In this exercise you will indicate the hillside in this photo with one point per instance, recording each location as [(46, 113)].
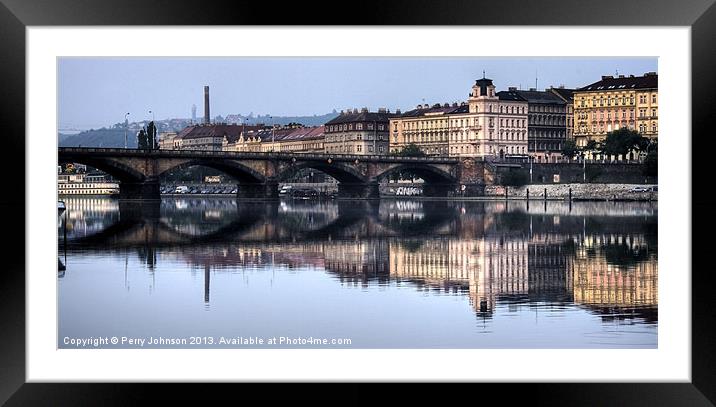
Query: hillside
[(98, 138), (114, 137)]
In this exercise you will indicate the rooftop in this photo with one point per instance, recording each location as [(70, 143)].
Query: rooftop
[(363, 115), (436, 110), (230, 131), (566, 94), (288, 134), (649, 80), (510, 95), (540, 97)]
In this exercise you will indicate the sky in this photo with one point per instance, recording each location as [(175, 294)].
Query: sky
[(97, 92)]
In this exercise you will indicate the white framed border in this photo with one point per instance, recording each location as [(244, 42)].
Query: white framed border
[(669, 362)]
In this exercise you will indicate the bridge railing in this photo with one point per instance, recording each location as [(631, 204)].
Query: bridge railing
[(252, 155)]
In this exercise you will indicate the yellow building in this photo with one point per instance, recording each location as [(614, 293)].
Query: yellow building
[(616, 102), (601, 284), (490, 124)]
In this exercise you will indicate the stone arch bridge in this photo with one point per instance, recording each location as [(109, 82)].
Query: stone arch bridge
[(258, 174)]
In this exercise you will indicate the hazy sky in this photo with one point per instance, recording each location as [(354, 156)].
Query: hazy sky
[(96, 92)]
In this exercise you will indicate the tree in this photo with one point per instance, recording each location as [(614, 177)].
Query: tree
[(623, 141), (152, 136), (651, 164), (411, 150), (592, 145), (569, 149), (142, 142)]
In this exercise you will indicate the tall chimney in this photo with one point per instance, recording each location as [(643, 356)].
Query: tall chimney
[(206, 105)]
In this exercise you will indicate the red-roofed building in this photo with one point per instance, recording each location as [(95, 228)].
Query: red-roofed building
[(205, 137), (294, 139)]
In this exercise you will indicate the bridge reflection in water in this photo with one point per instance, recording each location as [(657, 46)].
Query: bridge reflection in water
[(601, 257)]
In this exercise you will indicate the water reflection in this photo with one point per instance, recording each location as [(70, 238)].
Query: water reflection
[(506, 259)]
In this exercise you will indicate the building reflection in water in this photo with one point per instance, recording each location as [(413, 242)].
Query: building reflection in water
[(598, 256)]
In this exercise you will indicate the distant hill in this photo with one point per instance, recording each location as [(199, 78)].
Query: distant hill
[(304, 120), (98, 138), (114, 136)]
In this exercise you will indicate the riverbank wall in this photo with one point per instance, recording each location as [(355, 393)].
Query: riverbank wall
[(610, 192), (573, 173)]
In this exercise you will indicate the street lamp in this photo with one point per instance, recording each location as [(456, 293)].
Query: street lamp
[(126, 124), (584, 168)]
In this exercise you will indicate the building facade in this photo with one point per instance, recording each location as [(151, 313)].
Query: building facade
[(616, 102), (547, 123), (205, 137), (166, 140), (567, 95), (294, 139), (358, 132), (490, 124)]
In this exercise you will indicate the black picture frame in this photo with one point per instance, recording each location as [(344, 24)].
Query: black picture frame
[(16, 15)]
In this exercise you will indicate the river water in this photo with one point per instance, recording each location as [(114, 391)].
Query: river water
[(217, 272)]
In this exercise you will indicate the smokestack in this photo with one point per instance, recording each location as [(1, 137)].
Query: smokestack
[(206, 105)]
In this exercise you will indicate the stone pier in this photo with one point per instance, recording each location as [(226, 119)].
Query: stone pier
[(143, 190), (369, 190), (265, 190)]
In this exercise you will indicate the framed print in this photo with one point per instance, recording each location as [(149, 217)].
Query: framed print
[(464, 194)]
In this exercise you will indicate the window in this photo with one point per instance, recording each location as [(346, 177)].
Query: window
[(653, 98)]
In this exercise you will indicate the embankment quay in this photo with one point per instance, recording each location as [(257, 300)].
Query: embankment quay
[(359, 176)]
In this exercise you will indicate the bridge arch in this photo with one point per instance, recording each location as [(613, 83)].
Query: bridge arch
[(438, 182), (429, 173), (341, 172), (115, 168), (242, 173)]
